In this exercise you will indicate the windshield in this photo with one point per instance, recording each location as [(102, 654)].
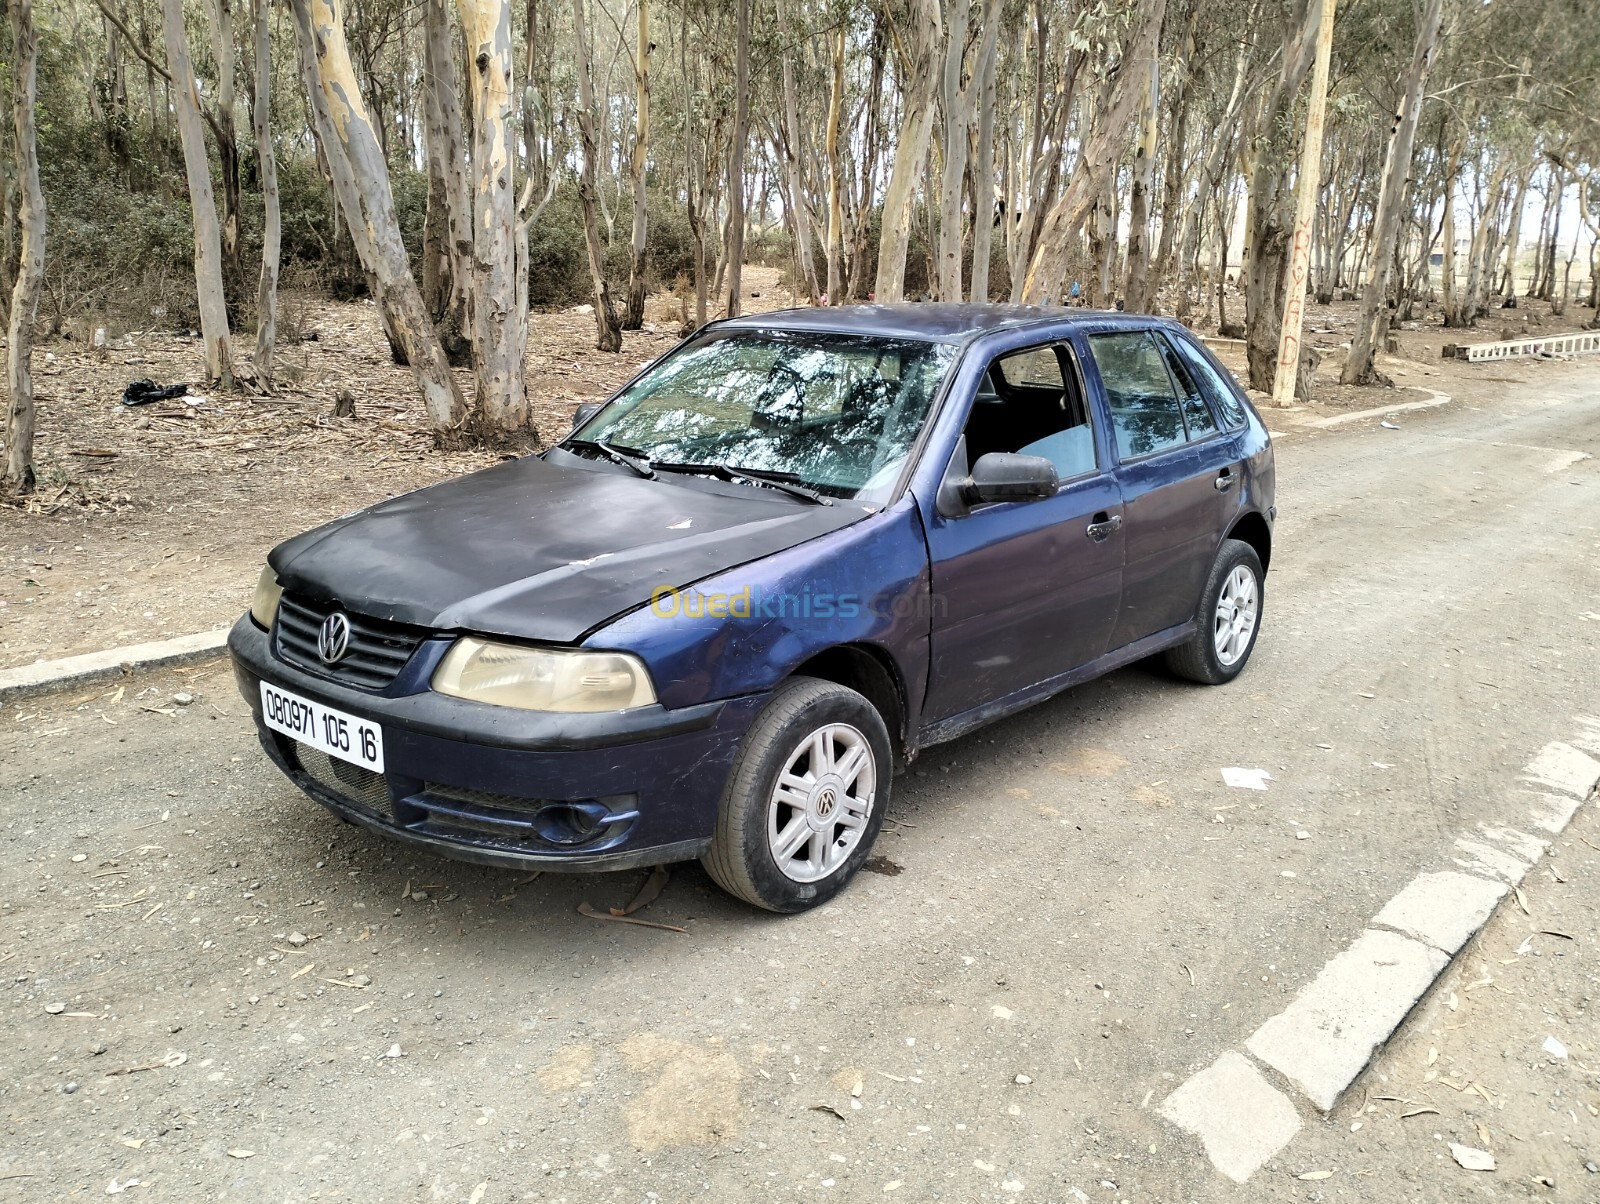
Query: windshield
[(837, 413)]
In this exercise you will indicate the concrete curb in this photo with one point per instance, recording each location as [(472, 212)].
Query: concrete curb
[(1438, 399), (1329, 1033), (43, 676)]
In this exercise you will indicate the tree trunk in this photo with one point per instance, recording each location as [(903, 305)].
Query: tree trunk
[(741, 135), (19, 475), (835, 182), (1449, 298), (502, 400), (1508, 276), (1096, 159), (983, 166), (919, 93), (867, 177), (641, 143), (1271, 213), (267, 169), (1210, 177), (793, 143), (609, 332), (1173, 185), (341, 178), (448, 267), (1144, 173), (225, 126), (958, 114), (322, 23), (207, 241)]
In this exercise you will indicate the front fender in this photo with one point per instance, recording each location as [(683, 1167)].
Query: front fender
[(744, 630)]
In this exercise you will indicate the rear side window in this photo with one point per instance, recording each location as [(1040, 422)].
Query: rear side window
[(1145, 411), (1209, 379), (1197, 415)]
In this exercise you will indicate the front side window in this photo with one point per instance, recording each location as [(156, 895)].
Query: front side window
[(1029, 401), (837, 413), (1145, 412)]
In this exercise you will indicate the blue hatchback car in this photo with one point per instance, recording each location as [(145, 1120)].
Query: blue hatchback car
[(716, 618)]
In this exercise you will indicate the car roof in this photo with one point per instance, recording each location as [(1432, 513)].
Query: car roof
[(932, 321)]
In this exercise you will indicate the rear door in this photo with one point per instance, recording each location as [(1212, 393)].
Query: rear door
[(1178, 473)]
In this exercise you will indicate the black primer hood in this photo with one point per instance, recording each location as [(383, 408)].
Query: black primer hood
[(540, 551)]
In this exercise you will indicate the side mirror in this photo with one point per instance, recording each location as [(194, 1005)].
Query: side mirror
[(585, 412), (1009, 477)]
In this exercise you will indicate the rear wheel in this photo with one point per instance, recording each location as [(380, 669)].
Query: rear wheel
[(805, 799), (1229, 618)]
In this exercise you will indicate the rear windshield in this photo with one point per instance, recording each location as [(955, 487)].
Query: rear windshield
[(838, 412)]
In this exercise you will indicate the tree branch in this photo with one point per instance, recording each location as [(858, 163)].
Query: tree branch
[(138, 49)]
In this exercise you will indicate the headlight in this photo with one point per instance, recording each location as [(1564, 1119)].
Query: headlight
[(264, 608), (543, 679)]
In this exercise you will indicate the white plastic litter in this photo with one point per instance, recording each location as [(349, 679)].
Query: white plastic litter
[(1246, 779)]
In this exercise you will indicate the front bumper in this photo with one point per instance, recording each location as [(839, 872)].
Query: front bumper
[(498, 786)]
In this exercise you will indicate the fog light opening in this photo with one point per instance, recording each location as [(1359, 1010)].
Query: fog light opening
[(571, 823)]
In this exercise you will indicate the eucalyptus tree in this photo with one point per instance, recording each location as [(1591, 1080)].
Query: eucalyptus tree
[(19, 425)]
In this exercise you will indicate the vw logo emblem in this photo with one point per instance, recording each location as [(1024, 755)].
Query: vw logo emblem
[(333, 641)]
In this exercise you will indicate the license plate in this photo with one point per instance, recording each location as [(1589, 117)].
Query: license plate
[(337, 733)]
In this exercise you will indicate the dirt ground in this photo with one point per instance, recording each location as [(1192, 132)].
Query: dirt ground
[(153, 521)]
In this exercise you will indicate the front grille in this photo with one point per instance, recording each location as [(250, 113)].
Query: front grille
[(359, 787), (377, 650), (482, 798)]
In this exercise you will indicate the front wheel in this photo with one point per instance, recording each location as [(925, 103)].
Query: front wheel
[(1229, 619), (805, 799)]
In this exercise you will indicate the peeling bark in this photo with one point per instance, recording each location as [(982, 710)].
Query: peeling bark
[(353, 130), (447, 269), (734, 256), (207, 239), (609, 331), (636, 171), (19, 476), (502, 399), (272, 227), (920, 92)]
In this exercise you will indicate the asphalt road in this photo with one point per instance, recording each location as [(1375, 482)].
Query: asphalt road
[(1080, 913)]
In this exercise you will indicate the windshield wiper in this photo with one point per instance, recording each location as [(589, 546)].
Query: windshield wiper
[(639, 464), (785, 482)]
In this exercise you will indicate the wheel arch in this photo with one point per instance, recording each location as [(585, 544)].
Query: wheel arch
[(870, 671), (1251, 528)]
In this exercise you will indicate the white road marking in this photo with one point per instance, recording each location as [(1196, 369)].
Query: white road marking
[(1552, 812), (1588, 737), (1442, 909), (1326, 1036), (1240, 1118), (1489, 861), (1561, 767)]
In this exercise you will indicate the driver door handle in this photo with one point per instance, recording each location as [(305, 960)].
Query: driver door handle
[(1103, 525), (1225, 480)]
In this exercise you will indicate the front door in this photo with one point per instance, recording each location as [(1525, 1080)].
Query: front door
[(1025, 591)]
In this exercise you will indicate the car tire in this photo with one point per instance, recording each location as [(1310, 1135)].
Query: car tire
[(1229, 619), (817, 756)]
